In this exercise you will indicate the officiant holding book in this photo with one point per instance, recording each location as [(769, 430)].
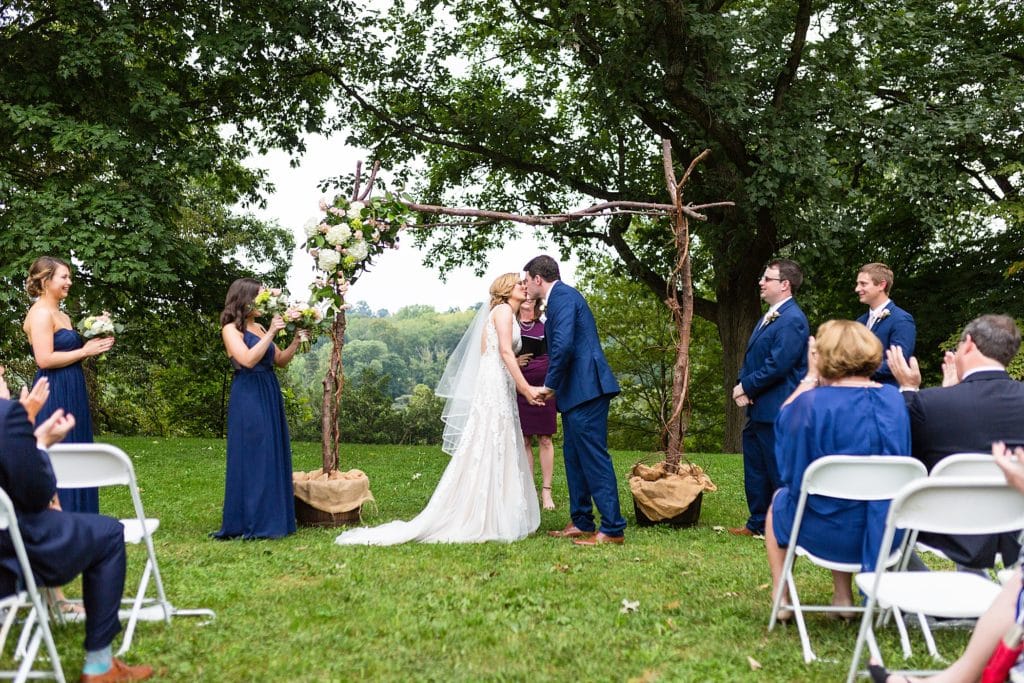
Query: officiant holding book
[(539, 421)]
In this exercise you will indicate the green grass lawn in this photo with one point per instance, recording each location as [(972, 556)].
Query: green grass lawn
[(303, 609)]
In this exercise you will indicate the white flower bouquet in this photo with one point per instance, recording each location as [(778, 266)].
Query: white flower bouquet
[(102, 325)]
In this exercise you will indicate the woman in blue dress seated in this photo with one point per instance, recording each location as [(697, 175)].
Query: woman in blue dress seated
[(835, 410)]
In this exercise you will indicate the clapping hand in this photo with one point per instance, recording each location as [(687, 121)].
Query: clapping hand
[(949, 374), (34, 400), (908, 374), (1012, 464), (54, 429), (5, 393)]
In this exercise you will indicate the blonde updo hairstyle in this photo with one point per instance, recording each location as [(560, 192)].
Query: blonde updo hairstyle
[(501, 288), (40, 272), (847, 349)]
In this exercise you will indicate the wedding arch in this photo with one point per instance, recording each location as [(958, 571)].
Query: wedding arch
[(358, 227)]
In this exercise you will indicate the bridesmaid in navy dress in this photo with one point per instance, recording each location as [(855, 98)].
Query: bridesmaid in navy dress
[(58, 351), (258, 497)]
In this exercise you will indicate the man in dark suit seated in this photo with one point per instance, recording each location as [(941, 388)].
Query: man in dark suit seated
[(977, 405), (61, 545)]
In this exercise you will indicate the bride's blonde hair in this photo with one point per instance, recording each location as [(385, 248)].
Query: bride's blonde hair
[(502, 288)]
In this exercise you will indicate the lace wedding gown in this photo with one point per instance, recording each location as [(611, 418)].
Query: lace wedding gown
[(486, 493)]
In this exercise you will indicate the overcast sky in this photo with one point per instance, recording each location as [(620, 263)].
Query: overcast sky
[(398, 277)]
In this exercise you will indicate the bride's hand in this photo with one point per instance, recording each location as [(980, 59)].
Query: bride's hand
[(534, 396)]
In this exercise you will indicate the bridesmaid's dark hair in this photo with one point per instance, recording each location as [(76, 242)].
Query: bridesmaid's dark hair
[(238, 303), (40, 272)]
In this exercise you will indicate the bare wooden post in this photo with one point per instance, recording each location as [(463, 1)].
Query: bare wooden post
[(679, 299), (334, 383)]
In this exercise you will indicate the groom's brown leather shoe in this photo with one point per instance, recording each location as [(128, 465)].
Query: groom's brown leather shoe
[(600, 538), (570, 531)]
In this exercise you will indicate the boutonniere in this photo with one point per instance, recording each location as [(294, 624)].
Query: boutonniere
[(884, 314), (771, 317)]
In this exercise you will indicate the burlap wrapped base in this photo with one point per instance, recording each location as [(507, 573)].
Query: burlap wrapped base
[(333, 499), (662, 498)]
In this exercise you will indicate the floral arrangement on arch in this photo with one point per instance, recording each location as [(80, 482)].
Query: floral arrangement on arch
[(344, 241)]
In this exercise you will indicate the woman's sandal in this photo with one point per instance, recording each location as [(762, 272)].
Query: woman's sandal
[(879, 674)]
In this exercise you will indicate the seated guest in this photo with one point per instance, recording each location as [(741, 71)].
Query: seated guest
[(996, 622), (61, 545), (835, 410), (978, 404)]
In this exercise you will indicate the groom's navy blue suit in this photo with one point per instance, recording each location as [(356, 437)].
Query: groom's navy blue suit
[(584, 386), (775, 361), (60, 545)]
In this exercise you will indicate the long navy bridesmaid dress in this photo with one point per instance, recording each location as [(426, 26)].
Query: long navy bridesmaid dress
[(67, 391), (258, 495)]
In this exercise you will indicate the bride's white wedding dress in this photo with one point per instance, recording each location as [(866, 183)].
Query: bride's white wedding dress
[(486, 493)]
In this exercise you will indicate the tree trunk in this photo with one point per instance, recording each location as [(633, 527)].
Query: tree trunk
[(334, 382), (739, 308)]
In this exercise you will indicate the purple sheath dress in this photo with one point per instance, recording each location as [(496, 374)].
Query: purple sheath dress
[(536, 420)]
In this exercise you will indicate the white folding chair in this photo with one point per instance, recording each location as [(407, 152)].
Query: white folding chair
[(36, 626), (851, 477), (88, 465), (941, 505), (967, 465), (961, 465)]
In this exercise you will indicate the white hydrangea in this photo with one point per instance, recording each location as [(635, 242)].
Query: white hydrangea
[(328, 260), (338, 234), (355, 209), (312, 227), (359, 250)]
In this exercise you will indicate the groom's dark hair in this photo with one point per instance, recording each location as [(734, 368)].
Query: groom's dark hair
[(543, 265)]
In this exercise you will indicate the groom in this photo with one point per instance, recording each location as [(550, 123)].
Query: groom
[(580, 377)]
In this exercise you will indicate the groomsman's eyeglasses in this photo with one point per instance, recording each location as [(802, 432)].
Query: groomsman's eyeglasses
[(765, 278)]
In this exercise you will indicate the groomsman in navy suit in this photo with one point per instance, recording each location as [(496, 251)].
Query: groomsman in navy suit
[(582, 384), (891, 324), (775, 361), (61, 545)]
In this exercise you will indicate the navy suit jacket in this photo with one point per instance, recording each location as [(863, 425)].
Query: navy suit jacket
[(897, 328), (55, 541), (577, 368), (775, 361), (967, 417)]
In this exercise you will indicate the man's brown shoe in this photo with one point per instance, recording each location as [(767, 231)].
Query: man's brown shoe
[(600, 538), (570, 531), (742, 531), (118, 673)]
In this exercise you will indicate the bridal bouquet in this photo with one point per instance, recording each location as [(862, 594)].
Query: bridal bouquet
[(102, 325)]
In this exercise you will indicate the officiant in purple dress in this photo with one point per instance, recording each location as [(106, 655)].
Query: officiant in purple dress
[(539, 421)]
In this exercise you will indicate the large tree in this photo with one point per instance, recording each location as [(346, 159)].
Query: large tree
[(838, 128), (123, 129)]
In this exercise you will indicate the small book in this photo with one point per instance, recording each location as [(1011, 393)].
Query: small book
[(534, 345)]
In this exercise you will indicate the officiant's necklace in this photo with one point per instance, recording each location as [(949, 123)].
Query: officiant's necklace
[(524, 328)]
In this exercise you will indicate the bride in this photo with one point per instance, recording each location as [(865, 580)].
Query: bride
[(487, 491)]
